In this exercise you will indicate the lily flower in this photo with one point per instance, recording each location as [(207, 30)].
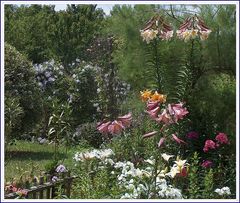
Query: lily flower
[(164, 117), (173, 172), (166, 157), (103, 127), (192, 28), (150, 134), (177, 111), (180, 163), (152, 105), (158, 97), (115, 127), (178, 140), (125, 120), (145, 95), (156, 27), (153, 113), (161, 141)]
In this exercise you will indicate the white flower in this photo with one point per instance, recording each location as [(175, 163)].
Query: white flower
[(223, 191), (109, 161), (226, 190), (173, 172), (98, 90), (204, 34), (166, 157), (180, 163), (149, 35), (149, 161), (146, 173)]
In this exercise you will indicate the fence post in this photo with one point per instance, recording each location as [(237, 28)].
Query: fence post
[(41, 180), (34, 195), (68, 185), (48, 190), (27, 186)]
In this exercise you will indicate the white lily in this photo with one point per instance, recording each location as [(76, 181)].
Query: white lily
[(166, 157)]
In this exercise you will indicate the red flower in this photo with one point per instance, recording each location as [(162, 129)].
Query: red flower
[(192, 135), (207, 164), (183, 172), (222, 138), (209, 144)]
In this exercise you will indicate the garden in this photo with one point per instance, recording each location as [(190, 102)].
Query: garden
[(139, 103)]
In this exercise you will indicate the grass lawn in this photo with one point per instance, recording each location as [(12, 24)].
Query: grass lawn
[(25, 158)]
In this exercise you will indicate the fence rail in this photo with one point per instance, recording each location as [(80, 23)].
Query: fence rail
[(45, 188)]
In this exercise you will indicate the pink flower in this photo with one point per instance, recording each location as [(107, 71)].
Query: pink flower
[(152, 105), (125, 120), (115, 127), (153, 113), (207, 164), (192, 135), (179, 141), (177, 111), (222, 138), (161, 141), (209, 144), (150, 134), (164, 117), (103, 127)]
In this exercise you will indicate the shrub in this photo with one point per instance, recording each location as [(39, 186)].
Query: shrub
[(89, 133), (20, 84), (13, 113)]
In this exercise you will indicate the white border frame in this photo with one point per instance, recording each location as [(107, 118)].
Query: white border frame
[(121, 2)]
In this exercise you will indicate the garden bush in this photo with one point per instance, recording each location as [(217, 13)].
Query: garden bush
[(21, 85)]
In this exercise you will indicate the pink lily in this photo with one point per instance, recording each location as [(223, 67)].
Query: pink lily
[(153, 113), (178, 140), (115, 127), (125, 120), (152, 105), (164, 117), (161, 141), (103, 127), (150, 134)]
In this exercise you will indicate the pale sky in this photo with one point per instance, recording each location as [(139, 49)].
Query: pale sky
[(106, 7)]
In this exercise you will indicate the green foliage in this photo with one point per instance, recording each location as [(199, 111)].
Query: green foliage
[(13, 113), (59, 125), (21, 86), (89, 133), (42, 33), (208, 185), (194, 183), (212, 110)]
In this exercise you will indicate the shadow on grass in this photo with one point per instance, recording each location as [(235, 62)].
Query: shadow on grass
[(26, 155)]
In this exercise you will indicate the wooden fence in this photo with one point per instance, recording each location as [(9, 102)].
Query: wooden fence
[(45, 188)]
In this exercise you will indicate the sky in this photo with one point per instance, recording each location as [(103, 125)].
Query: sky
[(106, 7)]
